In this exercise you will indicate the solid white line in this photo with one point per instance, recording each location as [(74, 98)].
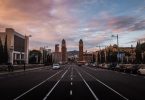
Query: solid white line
[(54, 86), (36, 86), (70, 92), (96, 98), (107, 86), (133, 74)]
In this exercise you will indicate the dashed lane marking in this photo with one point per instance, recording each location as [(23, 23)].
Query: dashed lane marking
[(55, 85), (70, 92)]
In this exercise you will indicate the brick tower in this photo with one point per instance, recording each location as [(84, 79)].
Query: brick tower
[(81, 50)]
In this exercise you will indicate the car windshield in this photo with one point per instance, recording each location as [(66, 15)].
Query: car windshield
[(55, 64)]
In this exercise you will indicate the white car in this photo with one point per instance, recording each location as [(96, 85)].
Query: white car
[(141, 70), (56, 66)]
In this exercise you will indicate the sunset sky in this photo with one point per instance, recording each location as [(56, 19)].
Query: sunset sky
[(94, 21)]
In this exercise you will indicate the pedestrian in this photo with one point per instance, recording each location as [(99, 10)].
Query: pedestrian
[(9, 69), (12, 67)]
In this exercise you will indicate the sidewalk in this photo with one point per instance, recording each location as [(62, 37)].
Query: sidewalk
[(17, 68)]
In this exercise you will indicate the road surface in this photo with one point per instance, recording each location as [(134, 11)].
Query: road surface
[(71, 82)]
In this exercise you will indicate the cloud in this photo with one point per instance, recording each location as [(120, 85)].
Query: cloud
[(140, 25), (49, 21)]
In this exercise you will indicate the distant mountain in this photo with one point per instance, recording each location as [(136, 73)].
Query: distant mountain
[(72, 53)]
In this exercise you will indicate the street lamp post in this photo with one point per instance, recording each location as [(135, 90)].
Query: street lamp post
[(117, 47)]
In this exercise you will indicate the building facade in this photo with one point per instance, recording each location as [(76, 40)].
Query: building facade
[(17, 45), (56, 56), (64, 51), (45, 53)]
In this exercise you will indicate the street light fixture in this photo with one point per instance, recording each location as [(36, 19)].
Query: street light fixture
[(117, 47)]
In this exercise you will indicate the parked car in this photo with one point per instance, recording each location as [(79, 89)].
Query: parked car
[(135, 68), (86, 64), (104, 66), (112, 66), (117, 67), (92, 64), (128, 67), (55, 66), (141, 70), (99, 65)]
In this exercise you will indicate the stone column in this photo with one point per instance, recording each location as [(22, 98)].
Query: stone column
[(26, 49)]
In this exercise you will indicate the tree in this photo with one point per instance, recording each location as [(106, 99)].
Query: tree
[(1, 51), (138, 53), (5, 56), (99, 60), (143, 50), (34, 56), (94, 58), (108, 56)]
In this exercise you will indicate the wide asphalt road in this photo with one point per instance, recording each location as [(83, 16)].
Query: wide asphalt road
[(71, 82)]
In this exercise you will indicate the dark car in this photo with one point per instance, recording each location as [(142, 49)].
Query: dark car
[(112, 66)]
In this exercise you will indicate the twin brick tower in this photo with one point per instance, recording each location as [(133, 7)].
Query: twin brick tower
[(64, 51)]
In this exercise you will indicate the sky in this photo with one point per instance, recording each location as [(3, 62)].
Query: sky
[(93, 21)]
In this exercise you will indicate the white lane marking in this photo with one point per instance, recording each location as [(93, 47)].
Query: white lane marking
[(71, 78), (55, 85), (71, 83), (70, 92), (36, 86), (106, 86), (96, 98), (123, 73), (133, 74)]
